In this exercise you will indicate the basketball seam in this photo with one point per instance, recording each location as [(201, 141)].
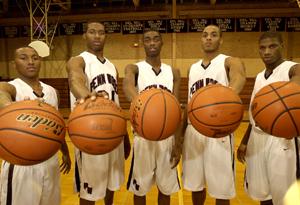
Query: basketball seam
[(32, 134), (85, 136), (272, 90), (287, 110), (58, 116), (85, 115), (165, 116), (217, 103), (261, 109), (224, 125), (205, 88), (142, 120), (33, 160)]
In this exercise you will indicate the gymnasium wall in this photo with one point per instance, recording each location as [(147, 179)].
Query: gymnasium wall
[(121, 51)]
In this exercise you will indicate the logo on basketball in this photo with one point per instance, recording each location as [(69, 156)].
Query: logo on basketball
[(36, 121)]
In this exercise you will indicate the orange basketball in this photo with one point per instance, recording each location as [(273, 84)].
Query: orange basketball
[(30, 132), (155, 114), (97, 127), (276, 109), (215, 111)]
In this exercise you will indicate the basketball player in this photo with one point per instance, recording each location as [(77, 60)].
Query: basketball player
[(96, 176), (271, 161), (37, 184), (153, 161), (209, 162)]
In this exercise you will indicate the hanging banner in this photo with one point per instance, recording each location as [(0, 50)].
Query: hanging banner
[(273, 24), (132, 27), (157, 25), (225, 24), (293, 24), (177, 26), (198, 24), (247, 24)]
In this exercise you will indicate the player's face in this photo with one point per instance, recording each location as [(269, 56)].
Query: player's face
[(95, 36), (270, 50), (27, 62), (152, 43), (211, 39)]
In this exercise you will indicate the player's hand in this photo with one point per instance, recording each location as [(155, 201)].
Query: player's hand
[(241, 153), (93, 95), (127, 146), (175, 155), (66, 164)]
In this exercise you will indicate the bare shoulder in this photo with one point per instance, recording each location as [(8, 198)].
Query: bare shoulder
[(233, 60), (75, 62), (294, 70), (131, 68), (8, 88), (176, 72)]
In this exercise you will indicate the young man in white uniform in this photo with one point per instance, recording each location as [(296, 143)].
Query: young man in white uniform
[(37, 184), (96, 176), (271, 161), (153, 161), (209, 162)]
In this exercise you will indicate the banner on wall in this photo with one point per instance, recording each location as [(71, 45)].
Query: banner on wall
[(243, 24), (225, 24), (273, 24), (158, 25), (198, 24), (293, 24), (247, 25), (70, 29), (177, 26), (132, 27)]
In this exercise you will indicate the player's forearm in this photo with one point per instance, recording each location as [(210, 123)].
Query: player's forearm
[(78, 89), (246, 135), (64, 148), (237, 84), (129, 90)]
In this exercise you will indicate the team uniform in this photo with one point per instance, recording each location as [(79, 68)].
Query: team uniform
[(37, 184), (208, 161), (271, 161), (96, 173), (151, 159)]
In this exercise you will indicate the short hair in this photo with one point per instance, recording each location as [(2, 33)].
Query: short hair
[(271, 34), (94, 21), (152, 30), (215, 25)]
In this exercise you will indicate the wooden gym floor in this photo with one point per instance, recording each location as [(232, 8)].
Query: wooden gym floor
[(123, 197)]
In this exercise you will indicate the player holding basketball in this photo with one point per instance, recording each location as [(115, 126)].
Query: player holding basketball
[(97, 176), (153, 161), (37, 184), (209, 162), (271, 161)]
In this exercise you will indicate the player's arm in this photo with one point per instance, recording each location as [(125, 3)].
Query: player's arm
[(294, 73), (66, 160), (241, 152), (176, 83), (129, 88), (179, 134), (7, 93), (77, 78), (236, 73)]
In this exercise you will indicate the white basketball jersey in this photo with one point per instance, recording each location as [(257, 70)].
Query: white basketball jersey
[(148, 78), (200, 76), (280, 73), (24, 90), (101, 76)]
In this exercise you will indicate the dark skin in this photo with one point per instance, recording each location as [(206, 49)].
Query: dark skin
[(270, 50), (152, 44), (211, 41), (27, 63), (95, 40)]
